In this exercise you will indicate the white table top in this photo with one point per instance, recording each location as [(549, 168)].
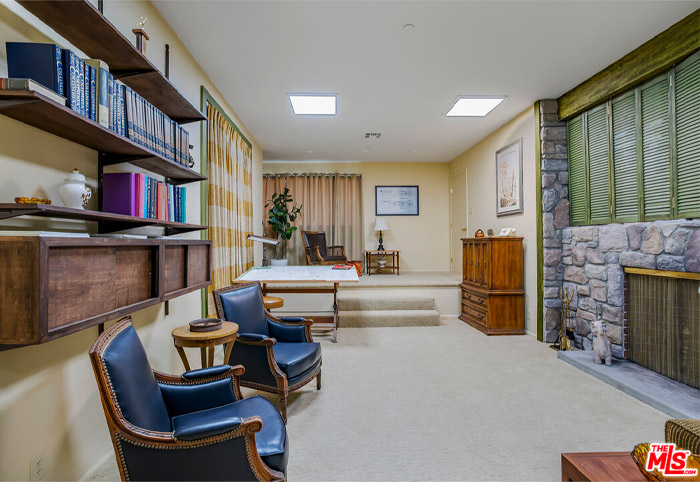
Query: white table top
[(299, 274)]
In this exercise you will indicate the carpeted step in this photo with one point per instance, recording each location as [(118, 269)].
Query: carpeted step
[(377, 303), (377, 318)]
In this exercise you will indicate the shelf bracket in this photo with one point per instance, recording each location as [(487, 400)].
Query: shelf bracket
[(6, 104), (106, 227), (111, 159), (18, 212)]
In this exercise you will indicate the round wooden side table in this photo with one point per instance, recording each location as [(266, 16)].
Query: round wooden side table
[(184, 338), (272, 302)]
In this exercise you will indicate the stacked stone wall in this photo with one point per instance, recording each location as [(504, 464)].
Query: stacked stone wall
[(594, 258), (555, 211)]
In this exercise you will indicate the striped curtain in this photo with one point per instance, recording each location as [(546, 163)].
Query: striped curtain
[(230, 201)]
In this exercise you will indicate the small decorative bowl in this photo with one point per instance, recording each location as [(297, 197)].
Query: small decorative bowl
[(640, 455), (205, 324), (32, 200)]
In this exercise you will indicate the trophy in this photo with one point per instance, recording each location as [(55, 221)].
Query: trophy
[(141, 35)]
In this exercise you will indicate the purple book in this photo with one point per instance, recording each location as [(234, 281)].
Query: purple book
[(119, 193)]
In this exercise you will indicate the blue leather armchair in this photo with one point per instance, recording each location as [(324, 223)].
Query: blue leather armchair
[(196, 426), (279, 354)]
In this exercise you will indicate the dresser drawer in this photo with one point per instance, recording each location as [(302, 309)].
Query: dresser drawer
[(475, 313), (479, 299)]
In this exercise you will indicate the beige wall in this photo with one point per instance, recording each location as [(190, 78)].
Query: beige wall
[(48, 396), (423, 239), (479, 161)]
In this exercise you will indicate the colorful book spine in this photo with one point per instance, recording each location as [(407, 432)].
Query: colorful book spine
[(93, 93), (81, 85), (119, 193)]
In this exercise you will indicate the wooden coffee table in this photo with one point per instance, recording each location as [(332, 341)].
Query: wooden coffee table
[(600, 466)]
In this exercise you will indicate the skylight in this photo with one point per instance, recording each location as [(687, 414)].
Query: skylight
[(474, 106), (313, 104)]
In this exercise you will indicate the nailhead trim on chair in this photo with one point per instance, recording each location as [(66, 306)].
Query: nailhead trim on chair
[(205, 442), (202, 443)]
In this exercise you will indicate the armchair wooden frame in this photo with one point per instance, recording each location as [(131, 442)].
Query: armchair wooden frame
[(313, 253), (282, 388), (122, 431)]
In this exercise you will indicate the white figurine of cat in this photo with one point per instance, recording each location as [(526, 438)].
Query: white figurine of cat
[(601, 344)]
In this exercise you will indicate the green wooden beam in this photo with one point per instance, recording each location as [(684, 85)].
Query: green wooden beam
[(644, 62), (540, 242)]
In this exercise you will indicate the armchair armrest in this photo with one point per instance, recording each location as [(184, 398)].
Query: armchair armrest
[(313, 255), (336, 251), (203, 373), (252, 337), (203, 424)]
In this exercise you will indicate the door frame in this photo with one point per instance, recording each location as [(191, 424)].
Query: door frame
[(466, 210)]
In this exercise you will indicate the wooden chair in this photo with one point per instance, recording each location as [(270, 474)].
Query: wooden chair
[(196, 426), (279, 354), (318, 253)]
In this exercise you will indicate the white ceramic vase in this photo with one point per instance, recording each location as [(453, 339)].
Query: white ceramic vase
[(74, 193)]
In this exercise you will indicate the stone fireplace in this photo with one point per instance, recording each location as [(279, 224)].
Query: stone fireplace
[(662, 324), (593, 262)]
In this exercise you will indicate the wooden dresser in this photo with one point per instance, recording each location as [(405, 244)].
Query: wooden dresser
[(492, 286)]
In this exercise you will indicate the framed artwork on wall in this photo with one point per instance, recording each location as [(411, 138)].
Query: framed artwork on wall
[(509, 179), (396, 200)]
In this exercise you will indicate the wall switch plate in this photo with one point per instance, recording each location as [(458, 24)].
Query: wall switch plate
[(37, 466)]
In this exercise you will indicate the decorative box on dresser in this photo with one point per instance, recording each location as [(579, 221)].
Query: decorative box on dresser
[(492, 284)]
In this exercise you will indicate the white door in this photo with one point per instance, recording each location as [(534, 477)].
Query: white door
[(458, 221)]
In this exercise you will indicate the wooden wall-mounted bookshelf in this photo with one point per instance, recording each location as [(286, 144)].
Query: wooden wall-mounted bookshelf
[(107, 222), (45, 114), (79, 22), (53, 287)]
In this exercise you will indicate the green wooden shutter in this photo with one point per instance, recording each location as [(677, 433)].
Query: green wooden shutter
[(687, 99), (577, 171), (656, 149), (624, 121), (598, 165)]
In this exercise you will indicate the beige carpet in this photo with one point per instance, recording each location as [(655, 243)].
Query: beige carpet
[(448, 403)]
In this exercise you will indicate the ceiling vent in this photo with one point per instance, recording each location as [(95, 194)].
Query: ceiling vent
[(373, 135)]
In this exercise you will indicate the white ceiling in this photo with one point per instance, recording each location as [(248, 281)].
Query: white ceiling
[(397, 82)]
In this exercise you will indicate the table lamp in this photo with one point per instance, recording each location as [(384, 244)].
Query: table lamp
[(380, 225)]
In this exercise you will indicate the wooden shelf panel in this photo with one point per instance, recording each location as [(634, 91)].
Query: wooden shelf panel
[(79, 22), (45, 114), (109, 222)]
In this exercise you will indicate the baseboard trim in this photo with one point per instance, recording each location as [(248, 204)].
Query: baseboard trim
[(99, 466)]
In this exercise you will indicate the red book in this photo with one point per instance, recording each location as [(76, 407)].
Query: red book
[(342, 266)]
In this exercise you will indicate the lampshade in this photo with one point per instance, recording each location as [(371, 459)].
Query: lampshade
[(380, 225)]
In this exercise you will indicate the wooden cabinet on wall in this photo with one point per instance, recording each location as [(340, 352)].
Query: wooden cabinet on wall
[(492, 285), (52, 287)]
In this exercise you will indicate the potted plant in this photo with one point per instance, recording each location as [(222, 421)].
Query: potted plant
[(281, 217)]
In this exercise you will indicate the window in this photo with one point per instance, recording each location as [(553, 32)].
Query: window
[(637, 157)]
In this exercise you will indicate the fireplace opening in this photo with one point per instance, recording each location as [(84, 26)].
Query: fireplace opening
[(663, 323)]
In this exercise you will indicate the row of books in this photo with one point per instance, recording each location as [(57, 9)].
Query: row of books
[(148, 126), (143, 196), (92, 91)]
